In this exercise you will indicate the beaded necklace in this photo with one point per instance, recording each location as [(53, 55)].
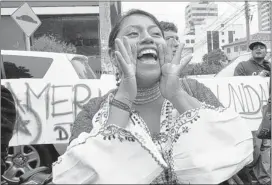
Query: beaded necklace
[(147, 95)]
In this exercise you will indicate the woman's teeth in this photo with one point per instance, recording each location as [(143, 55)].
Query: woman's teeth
[(149, 61), (148, 51)]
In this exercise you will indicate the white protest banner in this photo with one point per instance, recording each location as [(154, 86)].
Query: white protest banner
[(47, 109), (245, 94)]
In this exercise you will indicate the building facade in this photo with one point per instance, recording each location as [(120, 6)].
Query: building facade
[(211, 37), (197, 12), (225, 35), (264, 15), (204, 32), (239, 47)]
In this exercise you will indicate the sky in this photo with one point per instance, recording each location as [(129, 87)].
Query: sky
[(174, 12)]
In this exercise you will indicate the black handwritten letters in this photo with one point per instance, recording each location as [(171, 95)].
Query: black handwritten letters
[(59, 102), (245, 99), (80, 101), (47, 110), (45, 90)]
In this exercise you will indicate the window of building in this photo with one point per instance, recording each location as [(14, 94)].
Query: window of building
[(228, 50), (222, 33), (236, 48), (264, 14), (212, 14), (199, 8), (243, 48), (215, 39), (209, 41), (205, 14), (223, 41), (264, 10), (236, 39), (82, 31), (204, 8), (264, 4), (187, 41), (230, 36), (267, 19), (222, 25), (192, 41), (204, 2), (199, 19), (213, 9)]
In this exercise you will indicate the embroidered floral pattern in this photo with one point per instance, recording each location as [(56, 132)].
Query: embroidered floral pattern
[(168, 176), (171, 127), (113, 132), (160, 147), (207, 106), (185, 129), (136, 119), (167, 123)]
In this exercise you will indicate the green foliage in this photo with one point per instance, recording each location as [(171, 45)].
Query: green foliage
[(49, 43), (211, 64), (215, 56)]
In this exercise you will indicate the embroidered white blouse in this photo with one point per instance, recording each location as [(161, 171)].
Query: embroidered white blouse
[(204, 145)]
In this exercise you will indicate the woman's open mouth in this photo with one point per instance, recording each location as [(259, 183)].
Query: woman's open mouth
[(148, 56)]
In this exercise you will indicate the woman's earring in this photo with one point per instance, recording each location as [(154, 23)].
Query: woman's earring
[(118, 79)]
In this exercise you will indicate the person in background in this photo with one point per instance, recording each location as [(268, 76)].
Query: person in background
[(8, 119), (191, 86), (257, 65), (259, 169), (170, 31), (262, 169)]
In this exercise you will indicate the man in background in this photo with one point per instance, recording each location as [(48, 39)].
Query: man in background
[(170, 35), (257, 65), (191, 86), (260, 168)]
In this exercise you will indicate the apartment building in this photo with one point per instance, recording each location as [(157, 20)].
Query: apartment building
[(264, 15), (197, 12)]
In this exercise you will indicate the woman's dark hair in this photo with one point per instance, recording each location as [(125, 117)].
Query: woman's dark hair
[(115, 30), (168, 26)]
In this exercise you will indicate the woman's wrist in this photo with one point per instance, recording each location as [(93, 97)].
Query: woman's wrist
[(120, 110), (122, 98)]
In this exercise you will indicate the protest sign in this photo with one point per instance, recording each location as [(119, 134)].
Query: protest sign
[(46, 110), (244, 94)]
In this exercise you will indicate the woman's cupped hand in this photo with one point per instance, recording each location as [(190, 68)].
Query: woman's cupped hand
[(126, 56), (171, 68)]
